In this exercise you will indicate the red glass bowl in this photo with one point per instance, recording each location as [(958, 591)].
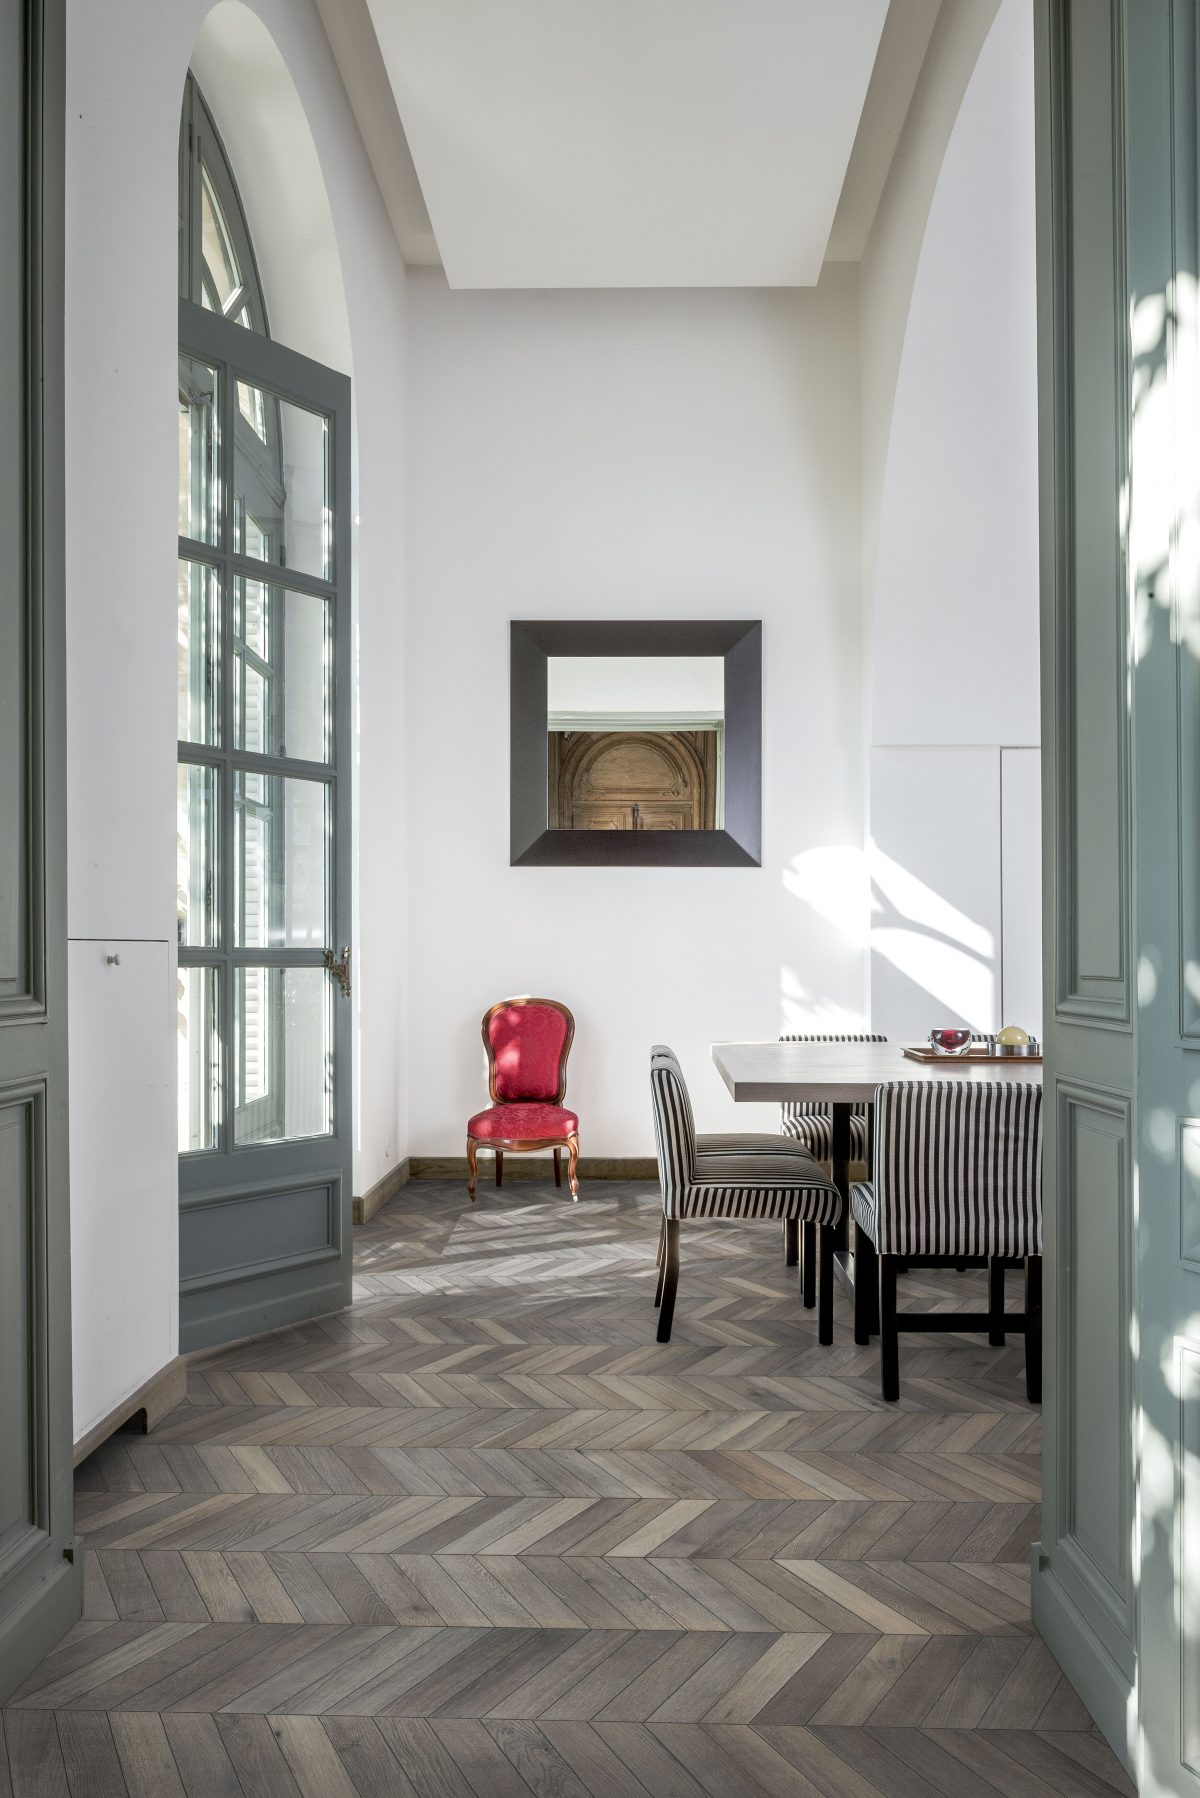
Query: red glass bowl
[(950, 1042)]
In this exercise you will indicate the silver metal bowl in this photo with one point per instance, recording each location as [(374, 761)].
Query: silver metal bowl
[(1017, 1051)]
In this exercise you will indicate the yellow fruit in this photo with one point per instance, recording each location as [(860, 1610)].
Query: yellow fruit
[(1012, 1036)]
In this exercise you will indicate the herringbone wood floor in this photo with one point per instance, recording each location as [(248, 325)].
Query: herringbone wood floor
[(482, 1536)]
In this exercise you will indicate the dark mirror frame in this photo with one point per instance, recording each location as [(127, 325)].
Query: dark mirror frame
[(534, 845)]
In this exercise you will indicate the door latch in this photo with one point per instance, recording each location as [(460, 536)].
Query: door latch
[(339, 969)]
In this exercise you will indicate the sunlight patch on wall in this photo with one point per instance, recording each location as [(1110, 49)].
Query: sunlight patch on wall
[(964, 986), (801, 1012), (922, 907), (833, 882), (939, 950)]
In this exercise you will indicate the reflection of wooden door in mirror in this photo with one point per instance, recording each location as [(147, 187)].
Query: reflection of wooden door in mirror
[(633, 780)]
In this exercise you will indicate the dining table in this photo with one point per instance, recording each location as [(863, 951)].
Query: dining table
[(843, 1075)]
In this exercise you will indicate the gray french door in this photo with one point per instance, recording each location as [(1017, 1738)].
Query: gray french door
[(40, 1570), (263, 833)]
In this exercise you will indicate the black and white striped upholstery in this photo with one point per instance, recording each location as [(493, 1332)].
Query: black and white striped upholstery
[(729, 1176), (957, 1170), (810, 1122)]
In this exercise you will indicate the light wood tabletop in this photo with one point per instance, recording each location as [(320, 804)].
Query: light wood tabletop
[(844, 1073)]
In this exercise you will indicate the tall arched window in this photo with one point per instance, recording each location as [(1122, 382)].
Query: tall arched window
[(217, 268), (263, 813)]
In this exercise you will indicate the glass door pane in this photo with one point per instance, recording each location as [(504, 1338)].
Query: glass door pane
[(196, 828), (199, 436), (282, 862), (281, 483), (199, 1061), (282, 672), (284, 1054), (199, 653)]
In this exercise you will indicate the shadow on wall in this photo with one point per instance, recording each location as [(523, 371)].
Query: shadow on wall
[(929, 961), (923, 947)]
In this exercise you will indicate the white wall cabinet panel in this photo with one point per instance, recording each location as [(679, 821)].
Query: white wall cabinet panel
[(934, 860), (124, 1172), (1021, 891)]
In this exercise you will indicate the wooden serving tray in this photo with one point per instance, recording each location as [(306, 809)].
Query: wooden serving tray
[(915, 1053)]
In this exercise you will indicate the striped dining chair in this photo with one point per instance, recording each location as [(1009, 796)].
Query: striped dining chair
[(732, 1177), (957, 1173), (810, 1122)]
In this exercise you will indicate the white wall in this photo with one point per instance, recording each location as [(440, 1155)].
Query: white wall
[(126, 65), (952, 598), (625, 455)]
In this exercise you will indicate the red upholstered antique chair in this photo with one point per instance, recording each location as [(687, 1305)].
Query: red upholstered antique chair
[(527, 1043)]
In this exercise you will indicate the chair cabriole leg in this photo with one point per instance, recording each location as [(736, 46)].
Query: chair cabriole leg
[(558, 1167), (825, 1279), (1033, 1329), (996, 1302), (791, 1241), (670, 1279), (472, 1169), (808, 1269), (889, 1335), (499, 1166), (573, 1165)]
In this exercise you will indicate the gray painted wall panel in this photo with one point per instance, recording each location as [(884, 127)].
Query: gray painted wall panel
[(40, 1575), (1189, 1553), (1119, 1565), (12, 358), (1094, 757), (246, 1233), (1082, 1589), (16, 1462), (1098, 1495)]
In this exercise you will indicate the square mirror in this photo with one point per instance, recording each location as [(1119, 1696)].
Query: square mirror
[(636, 743)]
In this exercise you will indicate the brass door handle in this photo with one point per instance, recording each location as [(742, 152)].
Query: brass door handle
[(340, 970)]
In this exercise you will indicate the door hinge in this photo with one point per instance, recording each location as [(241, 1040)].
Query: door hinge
[(340, 970)]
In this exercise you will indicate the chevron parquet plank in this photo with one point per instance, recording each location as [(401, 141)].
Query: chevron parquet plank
[(482, 1536), (145, 1754), (33, 1764), (201, 1756), (90, 1759)]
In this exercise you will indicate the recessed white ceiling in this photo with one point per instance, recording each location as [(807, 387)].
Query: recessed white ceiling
[(630, 143)]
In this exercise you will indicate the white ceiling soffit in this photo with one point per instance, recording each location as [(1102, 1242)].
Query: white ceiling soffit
[(902, 51), (630, 143), (356, 51)]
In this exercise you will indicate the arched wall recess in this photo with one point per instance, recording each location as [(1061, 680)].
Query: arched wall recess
[(266, 1044), (270, 144), (336, 282), (893, 252), (126, 69), (952, 597)]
